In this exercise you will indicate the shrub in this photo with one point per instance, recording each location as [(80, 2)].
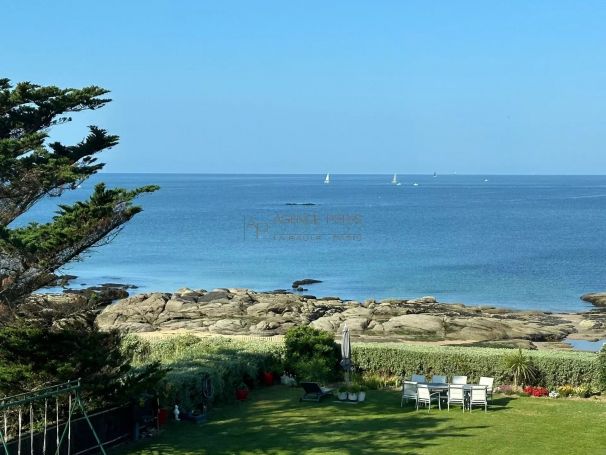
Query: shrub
[(32, 357), (192, 360), (311, 354), (536, 391), (566, 390), (372, 381), (505, 389), (552, 368), (602, 360), (520, 366), (583, 391), (315, 369)]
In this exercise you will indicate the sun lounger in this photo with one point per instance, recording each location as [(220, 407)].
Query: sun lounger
[(313, 391)]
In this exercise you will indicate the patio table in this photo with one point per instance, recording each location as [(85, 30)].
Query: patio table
[(441, 388)]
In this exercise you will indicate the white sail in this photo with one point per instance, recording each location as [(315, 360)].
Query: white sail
[(394, 180), (327, 179)]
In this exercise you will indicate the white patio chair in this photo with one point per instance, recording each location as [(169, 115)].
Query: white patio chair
[(489, 383), (456, 395), (409, 392), (459, 380), (478, 397), (418, 378), (438, 379), (425, 397)]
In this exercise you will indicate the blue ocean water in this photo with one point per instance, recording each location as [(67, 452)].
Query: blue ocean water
[(533, 242)]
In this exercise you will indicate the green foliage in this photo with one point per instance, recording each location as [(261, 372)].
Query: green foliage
[(315, 369), (565, 390), (191, 359), (311, 354), (552, 368), (32, 167), (583, 391), (520, 366), (32, 357), (372, 381), (602, 361)]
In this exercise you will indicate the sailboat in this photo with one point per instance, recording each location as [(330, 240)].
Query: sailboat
[(327, 179), (394, 180), (435, 175)]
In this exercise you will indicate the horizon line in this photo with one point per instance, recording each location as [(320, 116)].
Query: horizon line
[(450, 174)]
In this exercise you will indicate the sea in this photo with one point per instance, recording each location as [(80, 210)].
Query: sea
[(521, 242)]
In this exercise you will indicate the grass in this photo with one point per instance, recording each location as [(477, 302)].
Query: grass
[(274, 422)]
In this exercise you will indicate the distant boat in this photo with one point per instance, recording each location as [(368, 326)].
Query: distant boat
[(415, 184), (394, 180), (485, 180), (327, 179), (435, 175)]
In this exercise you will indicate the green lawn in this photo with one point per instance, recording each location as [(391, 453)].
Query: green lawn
[(274, 422)]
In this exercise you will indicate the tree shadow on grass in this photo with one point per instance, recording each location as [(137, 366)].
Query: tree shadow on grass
[(276, 423)]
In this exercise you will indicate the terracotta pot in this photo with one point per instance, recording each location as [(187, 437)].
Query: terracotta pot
[(162, 416), (267, 378), (241, 394)]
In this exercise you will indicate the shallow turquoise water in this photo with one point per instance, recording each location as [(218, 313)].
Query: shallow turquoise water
[(515, 241)]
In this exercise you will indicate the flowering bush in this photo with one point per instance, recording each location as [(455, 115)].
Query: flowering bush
[(582, 391), (553, 394), (566, 390), (506, 389), (536, 391)]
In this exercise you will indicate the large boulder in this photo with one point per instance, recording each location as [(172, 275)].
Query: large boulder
[(229, 326), (595, 298), (415, 324)]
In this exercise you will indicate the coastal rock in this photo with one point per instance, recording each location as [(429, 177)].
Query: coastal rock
[(589, 324), (303, 282), (229, 326), (246, 312), (416, 324), (215, 295), (595, 298)]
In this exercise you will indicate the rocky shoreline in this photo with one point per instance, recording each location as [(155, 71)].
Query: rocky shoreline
[(246, 312)]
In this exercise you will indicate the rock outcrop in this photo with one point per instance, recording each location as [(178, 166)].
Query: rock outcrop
[(246, 312), (595, 298)]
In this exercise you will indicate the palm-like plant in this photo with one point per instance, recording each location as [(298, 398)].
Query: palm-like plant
[(520, 366)]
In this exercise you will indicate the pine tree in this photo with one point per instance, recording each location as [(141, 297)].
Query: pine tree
[(32, 168)]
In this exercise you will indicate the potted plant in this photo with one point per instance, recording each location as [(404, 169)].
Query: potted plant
[(269, 373), (352, 394), (267, 377), (242, 392), (362, 394), (343, 393)]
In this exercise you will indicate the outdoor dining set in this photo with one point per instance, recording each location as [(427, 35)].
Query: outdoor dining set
[(457, 392)]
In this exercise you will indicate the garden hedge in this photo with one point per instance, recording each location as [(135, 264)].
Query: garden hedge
[(190, 359), (603, 367), (228, 362), (554, 368)]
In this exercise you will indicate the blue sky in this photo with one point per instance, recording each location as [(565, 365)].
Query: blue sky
[(315, 86)]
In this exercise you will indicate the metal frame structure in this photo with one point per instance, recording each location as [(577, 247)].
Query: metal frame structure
[(69, 388)]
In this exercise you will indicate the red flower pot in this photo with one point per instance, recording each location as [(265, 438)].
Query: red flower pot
[(162, 416), (267, 378), (241, 394)]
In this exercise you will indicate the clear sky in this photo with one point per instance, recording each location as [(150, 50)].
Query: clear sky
[(327, 86)]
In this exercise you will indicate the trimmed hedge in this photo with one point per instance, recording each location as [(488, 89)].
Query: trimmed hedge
[(603, 367), (554, 368), (191, 359)]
